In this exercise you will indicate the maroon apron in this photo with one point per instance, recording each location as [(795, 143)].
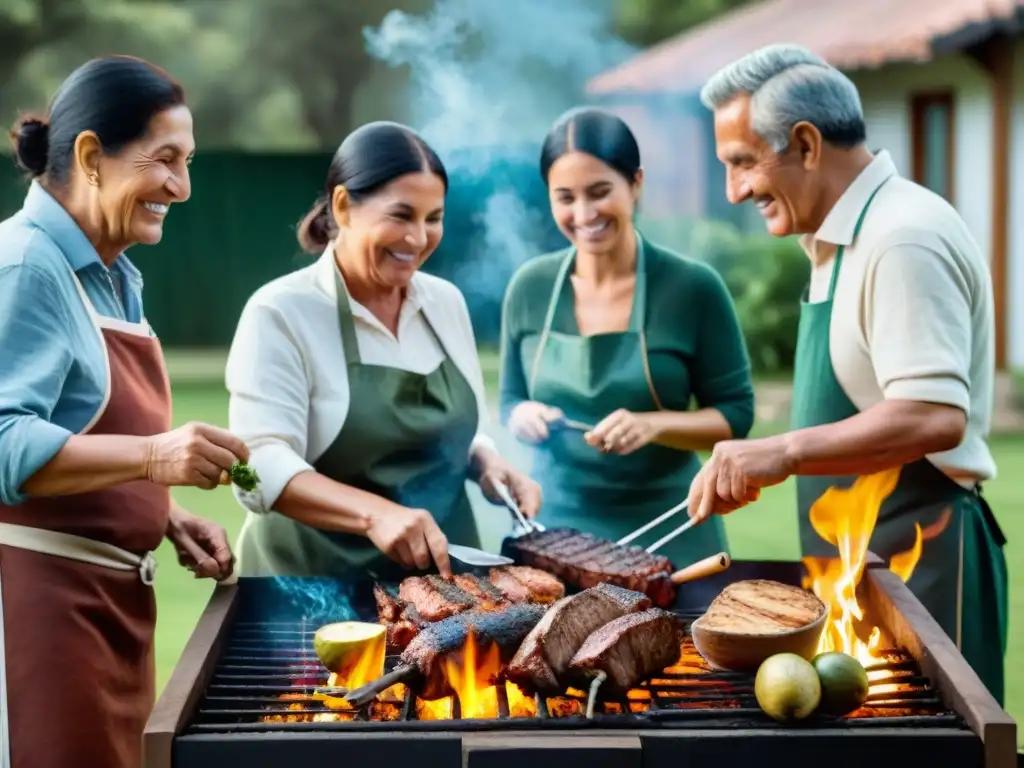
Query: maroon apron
[(77, 642)]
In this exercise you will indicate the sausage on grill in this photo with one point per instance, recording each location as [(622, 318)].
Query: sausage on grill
[(540, 664), (505, 628)]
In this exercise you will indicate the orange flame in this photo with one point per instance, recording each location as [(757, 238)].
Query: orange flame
[(846, 518)]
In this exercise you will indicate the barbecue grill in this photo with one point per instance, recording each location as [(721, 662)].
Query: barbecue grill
[(244, 692)]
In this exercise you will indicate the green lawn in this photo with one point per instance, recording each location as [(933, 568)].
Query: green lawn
[(765, 530)]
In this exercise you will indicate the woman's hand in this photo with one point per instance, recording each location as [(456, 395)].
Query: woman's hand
[(194, 454), (495, 471), (410, 537), (202, 545), (735, 474), (529, 421), (622, 432)]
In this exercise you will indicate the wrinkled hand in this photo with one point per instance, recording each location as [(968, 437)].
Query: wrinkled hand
[(621, 432), (194, 454), (202, 545), (410, 537), (524, 489), (735, 474), (529, 421)]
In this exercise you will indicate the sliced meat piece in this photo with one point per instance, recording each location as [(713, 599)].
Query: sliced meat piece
[(434, 598), (541, 585), (541, 660), (631, 648), (486, 594), (509, 585)]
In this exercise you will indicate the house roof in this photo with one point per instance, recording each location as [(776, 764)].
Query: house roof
[(849, 34)]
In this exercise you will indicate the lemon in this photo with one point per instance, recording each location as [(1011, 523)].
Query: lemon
[(787, 687), (844, 682), (346, 645)]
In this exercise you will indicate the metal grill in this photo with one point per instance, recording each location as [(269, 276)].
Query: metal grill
[(267, 677)]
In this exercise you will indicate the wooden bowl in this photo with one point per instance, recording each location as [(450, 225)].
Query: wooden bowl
[(745, 651)]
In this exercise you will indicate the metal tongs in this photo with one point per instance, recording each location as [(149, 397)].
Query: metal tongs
[(528, 525), (658, 521)]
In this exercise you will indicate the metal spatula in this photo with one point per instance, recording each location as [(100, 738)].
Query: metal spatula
[(476, 557)]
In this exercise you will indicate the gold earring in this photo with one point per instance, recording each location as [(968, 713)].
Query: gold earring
[(94, 179)]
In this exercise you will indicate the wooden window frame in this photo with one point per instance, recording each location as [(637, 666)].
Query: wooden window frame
[(919, 103)]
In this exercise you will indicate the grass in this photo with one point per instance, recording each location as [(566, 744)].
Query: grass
[(767, 530)]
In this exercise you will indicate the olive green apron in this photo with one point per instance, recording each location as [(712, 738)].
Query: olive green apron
[(963, 565), (589, 377), (407, 438)]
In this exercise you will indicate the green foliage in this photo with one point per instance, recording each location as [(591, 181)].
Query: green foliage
[(766, 276)]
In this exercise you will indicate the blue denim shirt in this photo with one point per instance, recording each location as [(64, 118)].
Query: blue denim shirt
[(53, 376)]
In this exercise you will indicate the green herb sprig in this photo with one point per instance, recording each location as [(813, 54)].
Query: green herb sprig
[(244, 476)]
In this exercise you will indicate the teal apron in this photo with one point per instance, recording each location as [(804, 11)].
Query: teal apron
[(961, 566), (589, 377), (407, 438)]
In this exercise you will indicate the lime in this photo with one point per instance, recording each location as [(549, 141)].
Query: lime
[(787, 687), (844, 683)]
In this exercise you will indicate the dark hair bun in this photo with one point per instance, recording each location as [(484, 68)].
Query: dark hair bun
[(31, 144), (315, 228)]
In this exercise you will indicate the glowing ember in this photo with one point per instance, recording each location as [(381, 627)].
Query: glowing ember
[(846, 519)]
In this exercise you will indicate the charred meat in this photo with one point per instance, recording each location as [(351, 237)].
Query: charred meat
[(422, 599), (505, 628), (631, 648), (540, 664), (585, 561)]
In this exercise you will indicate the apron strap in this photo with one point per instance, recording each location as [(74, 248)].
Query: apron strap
[(78, 548), (346, 321), (842, 248)]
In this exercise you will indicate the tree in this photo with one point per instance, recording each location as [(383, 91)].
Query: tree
[(646, 22)]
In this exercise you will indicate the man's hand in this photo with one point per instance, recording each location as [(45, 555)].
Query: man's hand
[(202, 545), (735, 474)]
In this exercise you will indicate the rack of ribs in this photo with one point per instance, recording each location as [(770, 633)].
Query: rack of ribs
[(424, 599), (584, 561), (421, 661)]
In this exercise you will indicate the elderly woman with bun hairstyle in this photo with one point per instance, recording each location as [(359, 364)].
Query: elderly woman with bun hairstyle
[(607, 344), (88, 453), (356, 384)]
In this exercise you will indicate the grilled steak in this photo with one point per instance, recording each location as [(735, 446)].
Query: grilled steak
[(631, 648), (506, 628), (585, 561), (541, 661)]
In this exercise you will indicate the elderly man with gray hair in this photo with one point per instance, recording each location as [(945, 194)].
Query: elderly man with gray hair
[(894, 370)]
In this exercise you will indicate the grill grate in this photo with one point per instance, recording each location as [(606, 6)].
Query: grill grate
[(267, 675)]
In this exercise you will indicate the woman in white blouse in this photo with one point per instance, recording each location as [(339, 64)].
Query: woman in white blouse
[(356, 385)]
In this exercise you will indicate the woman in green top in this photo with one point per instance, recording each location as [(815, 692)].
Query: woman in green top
[(619, 334)]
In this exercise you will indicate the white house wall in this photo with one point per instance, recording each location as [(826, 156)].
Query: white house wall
[(886, 95), (1015, 266)]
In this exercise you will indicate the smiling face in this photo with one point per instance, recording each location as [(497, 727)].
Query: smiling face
[(394, 231), (785, 187), (135, 187), (592, 203)]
